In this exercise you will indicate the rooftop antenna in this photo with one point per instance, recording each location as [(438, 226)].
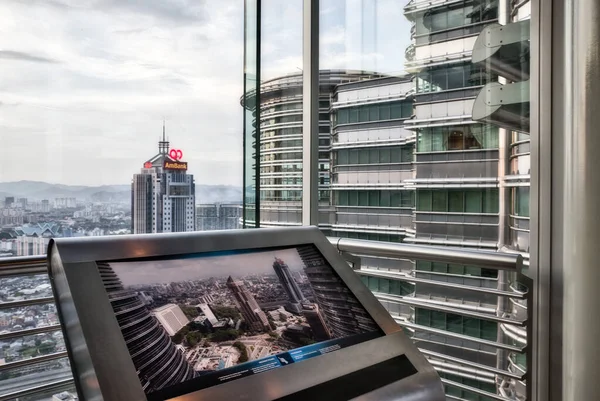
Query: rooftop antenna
[(163, 146)]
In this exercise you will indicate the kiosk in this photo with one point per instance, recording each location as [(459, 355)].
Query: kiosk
[(270, 314)]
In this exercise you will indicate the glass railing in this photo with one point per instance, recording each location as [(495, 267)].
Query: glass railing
[(33, 356), (461, 339)]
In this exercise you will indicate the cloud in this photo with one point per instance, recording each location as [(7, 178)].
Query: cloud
[(175, 10), (123, 68), (15, 55)]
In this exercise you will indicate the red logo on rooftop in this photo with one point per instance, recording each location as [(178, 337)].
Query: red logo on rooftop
[(175, 154), (147, 165)]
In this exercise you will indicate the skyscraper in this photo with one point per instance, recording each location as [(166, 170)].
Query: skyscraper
[(317, 323), (341, 310), (163, 194), (253, 315), (158, 362), (290, 286)]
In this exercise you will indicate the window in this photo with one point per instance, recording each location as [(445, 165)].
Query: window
[(369, 236), (374, 112), (376, 198), (375, 155), (483, 200), (453, 16), (443, 78), (478, 328), (462, 137), (520, 201)]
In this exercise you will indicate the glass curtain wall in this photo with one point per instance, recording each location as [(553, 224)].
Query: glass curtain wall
[(406, 155)]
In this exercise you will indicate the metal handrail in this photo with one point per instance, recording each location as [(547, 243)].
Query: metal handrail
[(23, 266), (484, 259)]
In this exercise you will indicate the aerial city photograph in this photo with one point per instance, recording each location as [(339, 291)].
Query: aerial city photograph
[(201, 314)]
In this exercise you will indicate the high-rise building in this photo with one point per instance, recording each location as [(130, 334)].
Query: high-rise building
[(218, 216), (295, 296), (280, 137), (171, 317), (157, 360), (9, 201), (315, 320), (342, 312), (45, 207), (206, 311), (163, 194), (255, 318)]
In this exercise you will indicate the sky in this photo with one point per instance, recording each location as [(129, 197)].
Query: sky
[(168, 271), (85, 84)]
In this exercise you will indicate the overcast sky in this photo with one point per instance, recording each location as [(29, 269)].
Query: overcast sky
[(168, 271), (85, 84)]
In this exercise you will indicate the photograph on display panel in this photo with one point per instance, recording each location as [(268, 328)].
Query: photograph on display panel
[(195, 321)]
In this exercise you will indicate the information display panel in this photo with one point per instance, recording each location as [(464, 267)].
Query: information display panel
[(195, 321), (253, 315)]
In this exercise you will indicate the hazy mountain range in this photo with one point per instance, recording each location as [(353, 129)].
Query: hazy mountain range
[(37, 190)]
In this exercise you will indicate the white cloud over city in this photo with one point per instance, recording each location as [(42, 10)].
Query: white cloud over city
[(85, 84)]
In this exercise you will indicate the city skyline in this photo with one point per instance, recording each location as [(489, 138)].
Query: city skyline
[(153, 272), (113, 80)]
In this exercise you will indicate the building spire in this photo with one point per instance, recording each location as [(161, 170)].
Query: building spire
[(163, 145)]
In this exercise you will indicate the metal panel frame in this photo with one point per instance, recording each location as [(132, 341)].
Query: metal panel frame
[(101, 362), (310, 116), (547, 40), (257, 118)]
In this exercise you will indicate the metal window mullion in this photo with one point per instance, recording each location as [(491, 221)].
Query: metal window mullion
[(310, 116)]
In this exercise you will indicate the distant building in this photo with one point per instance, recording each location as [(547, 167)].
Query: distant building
[(253, 315), (33, 239), (22, 203), (11, 216), (163, 195), (45, 206), (9, 201), (295, 296), (217, 216), (206, 311), (171, 318), (65, 203), (206, 299), (280, 314), (316, 321)]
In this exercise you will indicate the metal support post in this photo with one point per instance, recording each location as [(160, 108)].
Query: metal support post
[(310, 114)]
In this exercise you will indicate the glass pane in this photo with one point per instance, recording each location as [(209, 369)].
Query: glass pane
[(439, 201), (363, 198), (473, 201), (385, 198), (439, 139), (424, 199), (384, 155), (455, 201), (363, 156), (373, 155), (373, 198), (342, 157), (395, 110)]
